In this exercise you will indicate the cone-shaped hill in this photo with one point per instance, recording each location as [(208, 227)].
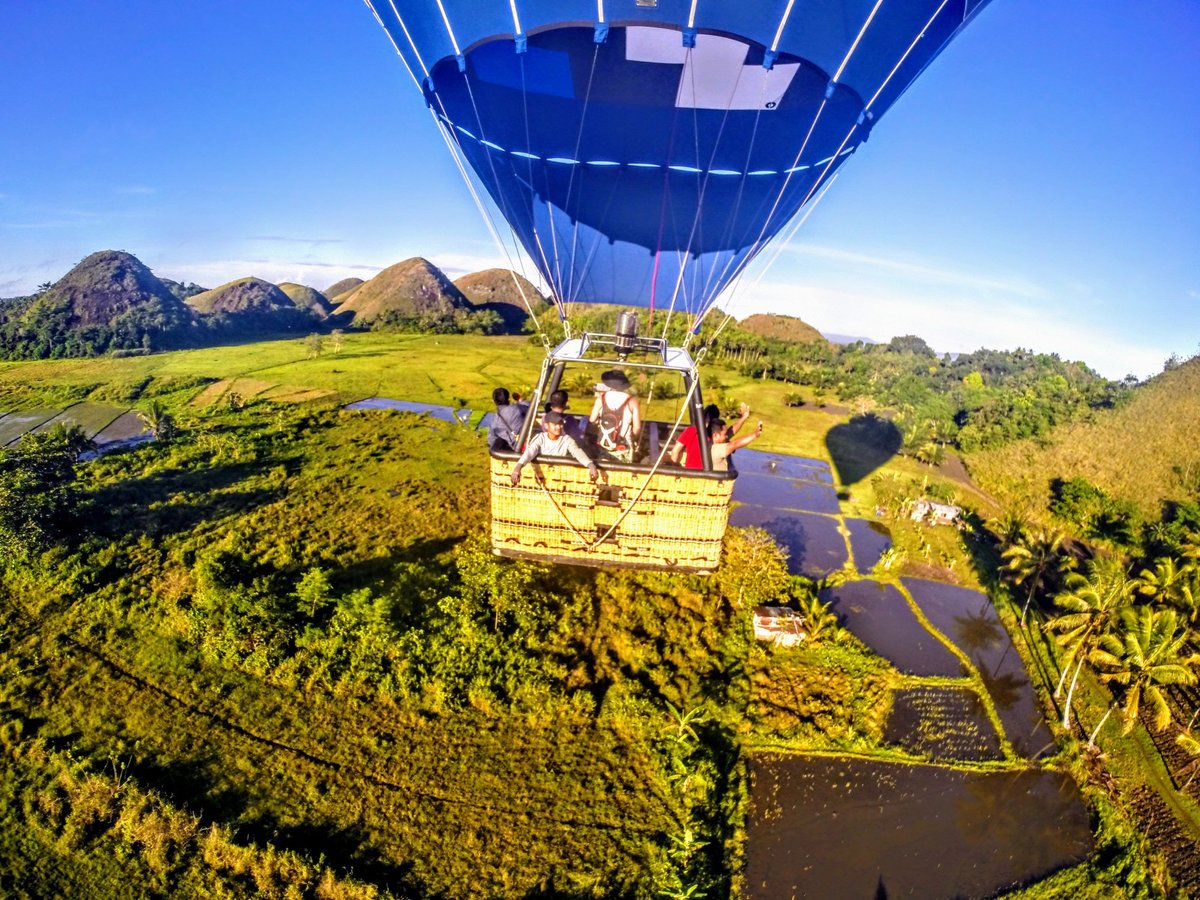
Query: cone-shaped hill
[(781, 328), (109, 302), (308, 298), (239, 296), (251, 306), (110, 285), (500, 290), (414, 287), (340, 290)]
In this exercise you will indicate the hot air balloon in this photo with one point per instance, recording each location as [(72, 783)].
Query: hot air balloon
[(643, 152)]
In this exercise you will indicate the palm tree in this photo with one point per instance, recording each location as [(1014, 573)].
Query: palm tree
[(1162, 582), (1174, 584), (1091, 605), (1148, 649), (160, 422), (1034, 560), (1010, 528)]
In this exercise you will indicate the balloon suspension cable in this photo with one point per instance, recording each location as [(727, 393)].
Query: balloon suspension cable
[(591, 545), (452, 146), (804, 144), (577, 169), (780, 245)]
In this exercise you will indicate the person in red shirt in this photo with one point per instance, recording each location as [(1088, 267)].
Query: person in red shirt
[(687, 446)]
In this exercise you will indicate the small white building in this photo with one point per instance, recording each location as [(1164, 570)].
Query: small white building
[(781, 625), (935, 513)]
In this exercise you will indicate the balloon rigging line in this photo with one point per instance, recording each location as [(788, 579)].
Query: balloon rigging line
[(910, 49), (731, 225), (692, 15), (777, 251), (662, 215), (512, 4), (498, 196), (821, 181), (597, 242), (587, 99), (449, 31), (454, 148), (451, 146), (837, 76), (555, 291), (408, 36), (782, 23), (392, 41), (820, 110)]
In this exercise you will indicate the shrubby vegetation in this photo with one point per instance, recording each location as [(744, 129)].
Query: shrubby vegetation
[(276, 655), (445, 320), (970, 402)]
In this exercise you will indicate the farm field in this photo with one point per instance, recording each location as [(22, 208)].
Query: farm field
[(278, 658)]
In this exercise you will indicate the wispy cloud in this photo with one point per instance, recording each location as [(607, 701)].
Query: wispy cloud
[(135, 190), (917, 270), (279, 239)]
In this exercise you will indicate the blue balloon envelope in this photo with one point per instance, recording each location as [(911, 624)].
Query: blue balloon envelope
[(644, 152)]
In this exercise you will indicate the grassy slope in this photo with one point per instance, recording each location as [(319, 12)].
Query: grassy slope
[(1148, 451)]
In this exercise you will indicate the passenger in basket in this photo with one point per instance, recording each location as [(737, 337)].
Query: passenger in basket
[(553, 442), (572, 425), (687, 448), (617, 415), (506, 422), (723, 443)]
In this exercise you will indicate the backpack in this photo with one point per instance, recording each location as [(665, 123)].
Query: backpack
[(610, 425)]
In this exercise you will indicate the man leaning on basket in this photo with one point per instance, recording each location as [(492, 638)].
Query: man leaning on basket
[(553, 442)]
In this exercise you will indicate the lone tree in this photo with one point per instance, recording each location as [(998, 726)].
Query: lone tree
[(37, 489)]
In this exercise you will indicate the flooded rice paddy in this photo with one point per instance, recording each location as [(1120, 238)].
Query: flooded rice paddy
[(813, 542), (833, 828), (880, 617), (943, 723), (968, 619)]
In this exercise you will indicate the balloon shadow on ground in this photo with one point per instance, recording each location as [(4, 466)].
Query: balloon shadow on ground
[(861, 446)]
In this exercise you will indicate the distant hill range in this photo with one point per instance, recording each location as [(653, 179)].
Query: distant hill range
[(112, 303)]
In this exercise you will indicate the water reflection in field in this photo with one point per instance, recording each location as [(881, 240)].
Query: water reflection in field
[(840, 827), (869, 541), (968, 619), (879, 616), (815, 546)]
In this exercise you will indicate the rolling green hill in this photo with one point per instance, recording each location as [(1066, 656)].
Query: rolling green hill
[(1147, 451)]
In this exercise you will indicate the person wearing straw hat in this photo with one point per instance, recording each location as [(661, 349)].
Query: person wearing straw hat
[(617, 415), (553, 442)]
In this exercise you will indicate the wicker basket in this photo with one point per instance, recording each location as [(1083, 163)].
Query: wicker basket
[(556, 514)]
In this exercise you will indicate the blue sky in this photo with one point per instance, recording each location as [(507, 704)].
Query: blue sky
[(1038, 186)]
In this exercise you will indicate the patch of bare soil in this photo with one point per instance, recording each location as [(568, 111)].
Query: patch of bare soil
[(210, 394), (1169, 838)]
